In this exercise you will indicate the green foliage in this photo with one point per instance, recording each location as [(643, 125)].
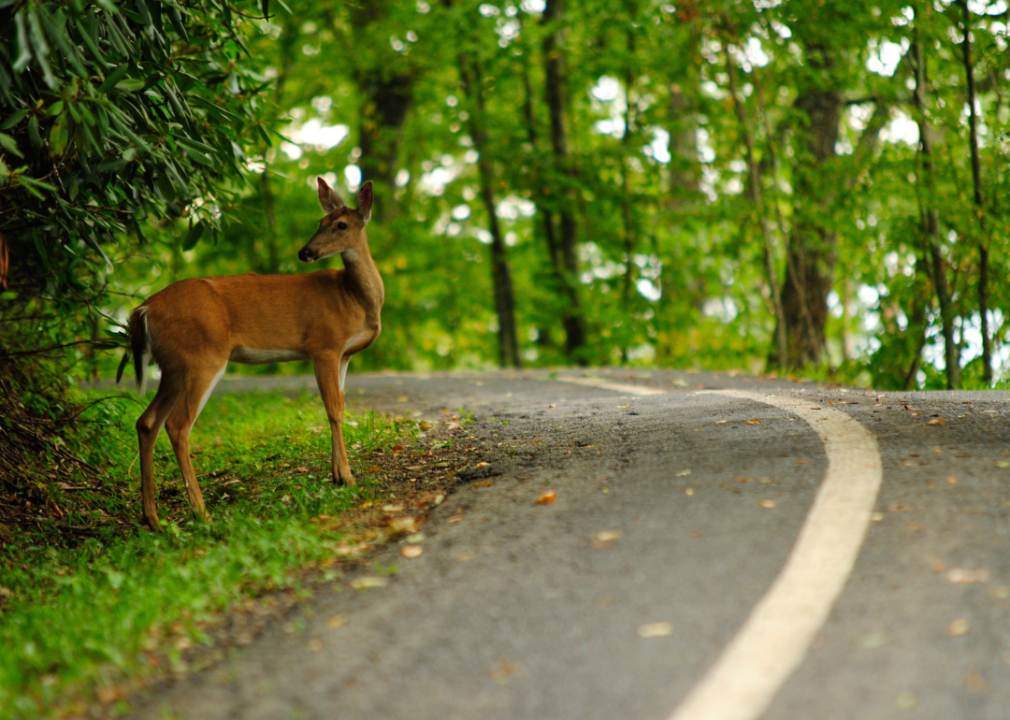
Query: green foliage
[(113, 115), (76, 613)]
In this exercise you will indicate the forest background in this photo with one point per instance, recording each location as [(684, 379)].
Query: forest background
[(801, 187)]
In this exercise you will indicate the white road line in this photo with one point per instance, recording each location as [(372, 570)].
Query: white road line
[(616, 387), (774, 639)]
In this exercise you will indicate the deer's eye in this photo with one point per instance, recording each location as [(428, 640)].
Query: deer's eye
[(341, 225)]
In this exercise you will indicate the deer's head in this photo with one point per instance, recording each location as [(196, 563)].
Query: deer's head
[(343, 228)]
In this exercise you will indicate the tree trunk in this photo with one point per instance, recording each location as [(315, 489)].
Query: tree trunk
[(387, 92), (554, 59), (508, 340), (976, 176), (683, 126), (629, 228), (931, 221), (757, 199), (811, 252)]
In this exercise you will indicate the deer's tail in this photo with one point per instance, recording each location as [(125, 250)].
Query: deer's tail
[(140, 348)]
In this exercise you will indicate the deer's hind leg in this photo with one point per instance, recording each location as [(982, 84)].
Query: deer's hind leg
[(170, 390), (199, 383)]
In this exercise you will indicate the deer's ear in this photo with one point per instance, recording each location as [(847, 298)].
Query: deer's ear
[(328, 197), (365, 197)]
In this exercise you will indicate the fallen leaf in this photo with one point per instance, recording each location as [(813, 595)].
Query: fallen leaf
[(335, 621), (369, 581), (546, 498), (963, 576), (743, 479), (654, 630), (454, 518), (952, 480), (721, 422), (392, 508), (502, 671), (767, 503), (603, 539), (425, 425), (684, 472), (301, 469), (483, 464), (910, 463), (755, 421), (974, 681), (484, 483), (876, 516), (403, 525), (315, 645), (959, 627), (689, 492), (108, 695), (936, 422), (1002, 463), (411, 551), (402, 398), (622, 406)]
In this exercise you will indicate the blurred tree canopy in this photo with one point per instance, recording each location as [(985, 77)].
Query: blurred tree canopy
[(807, 186)]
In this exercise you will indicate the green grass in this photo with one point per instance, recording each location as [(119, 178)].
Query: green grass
[(88, 595)]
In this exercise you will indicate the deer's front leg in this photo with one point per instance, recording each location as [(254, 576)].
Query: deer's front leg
[(329, 377)]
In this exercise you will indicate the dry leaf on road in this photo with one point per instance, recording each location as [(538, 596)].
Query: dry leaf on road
[(603, 539), (546, 498), (767, 503), (959, 627), (369, 581), (411, 551), (502, 671), (963, 576), (654, 630)]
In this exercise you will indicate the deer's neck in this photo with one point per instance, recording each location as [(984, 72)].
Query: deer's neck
[(362, 280)]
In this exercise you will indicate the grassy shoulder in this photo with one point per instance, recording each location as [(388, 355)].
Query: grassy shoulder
[(91, 604)]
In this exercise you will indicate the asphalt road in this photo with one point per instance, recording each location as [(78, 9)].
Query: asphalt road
[(525, 611)]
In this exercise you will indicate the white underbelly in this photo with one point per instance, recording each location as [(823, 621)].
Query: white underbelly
[(256, 356)]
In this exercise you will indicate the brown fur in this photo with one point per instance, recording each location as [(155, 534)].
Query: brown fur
[(194, 327)]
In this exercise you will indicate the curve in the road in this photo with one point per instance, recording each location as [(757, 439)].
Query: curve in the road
[(774, 639)]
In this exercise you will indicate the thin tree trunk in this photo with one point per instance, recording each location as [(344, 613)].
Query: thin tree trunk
[(812, 244), (387, 91), (757, 198), (554, 59), (976, 176), (931, 221), (550, 232), (501, 275), (627, 209)]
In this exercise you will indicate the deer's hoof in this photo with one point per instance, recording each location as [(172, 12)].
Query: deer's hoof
[(344, 476)]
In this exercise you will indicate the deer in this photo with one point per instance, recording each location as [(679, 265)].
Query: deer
[(194, 327)]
